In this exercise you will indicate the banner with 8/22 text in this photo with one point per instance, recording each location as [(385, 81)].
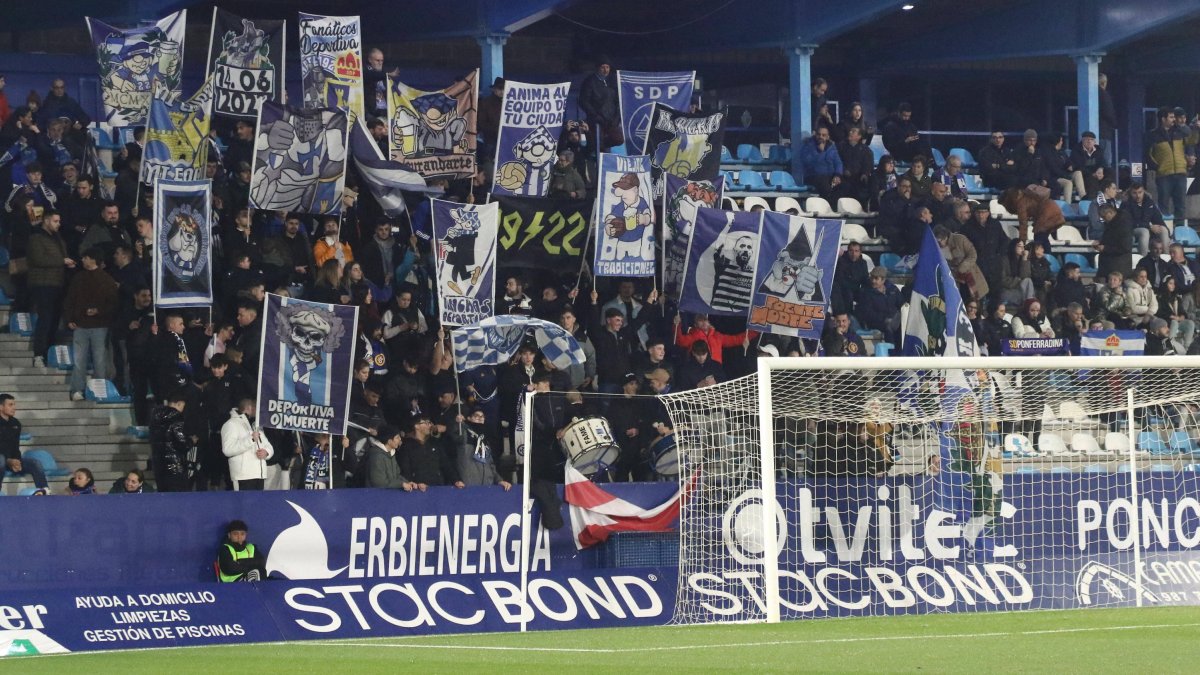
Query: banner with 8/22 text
[(549, 234), (246, 60), (531, 118), (307, 363)]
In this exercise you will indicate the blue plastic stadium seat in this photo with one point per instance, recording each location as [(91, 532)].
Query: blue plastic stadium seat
[(4, 257), (782, 181), (1182, 443), (27, 491), (22, 323), (749, 153), (892, 262), (968, 160), (778, 154), (1084, 206), (1085, 266), (751, 180), (726, 155), (111, 394), (1055, 263), (1186, 235), (878, 152), (1152, 442), (61, 357), (938, 157), (49, 465)]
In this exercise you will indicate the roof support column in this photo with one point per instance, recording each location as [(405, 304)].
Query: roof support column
[(800, 99), (492, 47), (1087, 81)]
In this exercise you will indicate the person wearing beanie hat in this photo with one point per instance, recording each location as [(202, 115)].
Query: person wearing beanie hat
[(598, 100), (238, 559), (383, 471), (1029, 162), (1158, 339)]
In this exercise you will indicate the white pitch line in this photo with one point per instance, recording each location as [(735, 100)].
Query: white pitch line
[(768, 643)]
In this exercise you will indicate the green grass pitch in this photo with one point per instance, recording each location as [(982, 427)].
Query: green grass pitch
[(1150, 640)]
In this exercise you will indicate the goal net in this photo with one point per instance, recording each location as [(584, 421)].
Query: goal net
[(879, 486)]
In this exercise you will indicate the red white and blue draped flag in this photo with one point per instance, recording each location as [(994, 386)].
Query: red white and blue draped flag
[(307, 365), (597, 513), (531, 119), (183, 244), (796, 261), (130, 59), (625, 231), (465, 236), (640, 91), (246, 61), (719, 276)]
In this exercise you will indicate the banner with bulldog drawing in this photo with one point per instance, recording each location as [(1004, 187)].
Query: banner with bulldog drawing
[(331, 62), (531, 119), (299, 160), (246, 61), (128, 59), (307, 363), (433, 132), (684, 144), (183, 243), (177, 135), (549, 234), (466, 260), (640, 91), (719, 275), (796, 260), (680, 203), (625, 228)]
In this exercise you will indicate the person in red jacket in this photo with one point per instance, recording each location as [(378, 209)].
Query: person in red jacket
[(702, 330)]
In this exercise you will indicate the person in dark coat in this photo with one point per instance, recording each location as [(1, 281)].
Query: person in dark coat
[(897, 213), (849, 278), (901, 137), (858, 162), (625, 416), (423, 460), (991, 242), (997, 167), (598, 100), (699, 370), (169, 445), (877, 306), (1116, 246)]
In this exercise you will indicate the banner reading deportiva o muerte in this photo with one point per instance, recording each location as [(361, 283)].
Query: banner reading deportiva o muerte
[(299, 160), (177, 135), (466, 260), (307, 363), (331, 62), (640, 91), (433, 132), (531, 118), (719, 275), (625, 231), (794, 275), (680, 202), (128, 57), (246, 61), (183, 243), (684, 145), (549, 234)]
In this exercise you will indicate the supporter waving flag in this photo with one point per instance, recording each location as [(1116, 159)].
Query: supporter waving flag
[(493, 341)]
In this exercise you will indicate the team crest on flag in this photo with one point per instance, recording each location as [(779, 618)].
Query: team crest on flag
[(794, 275), (495, 340), (433, 132), (177, 135), (183, 244), (680, 202), (684, 145), (625, 232), (719, 275), (466, 260), (640, 91), (246, 61), (130, 60), (531, 118), (307, 363), (299, 160), (331, 62)]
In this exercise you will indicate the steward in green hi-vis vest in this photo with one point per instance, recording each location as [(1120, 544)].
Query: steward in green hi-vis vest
[(244, 554), (237, 559)]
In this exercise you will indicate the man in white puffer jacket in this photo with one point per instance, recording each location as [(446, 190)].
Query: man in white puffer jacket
[(246, 447)]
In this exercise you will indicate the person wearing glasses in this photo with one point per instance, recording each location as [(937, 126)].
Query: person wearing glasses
[(997, 167)]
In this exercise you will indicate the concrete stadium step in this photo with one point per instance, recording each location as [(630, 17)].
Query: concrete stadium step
[(25, 368), (42, 377)]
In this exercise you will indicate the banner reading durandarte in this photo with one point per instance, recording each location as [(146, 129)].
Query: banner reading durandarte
[(307, 363), (625, 244), (331, 62), (177, 135), (797, 256), (246, 62), (128, 59), (433, 132), (531, 119), (183, 243), (680, 203), (640, 91), (719, 277), (684, 144), (466, 260), (549, 234), (299, 160)]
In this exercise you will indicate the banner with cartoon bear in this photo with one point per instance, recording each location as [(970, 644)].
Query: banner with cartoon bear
[(531, 119), (684, 144), (128, 58), (549, 234), (640, 91), (331, 62), (307, 363), (625, 220), (177, 135), (183, 243), (719, 275), (299, 160), (466, 260), (796, 260), (246, 61), (433, 132), (680, 202)]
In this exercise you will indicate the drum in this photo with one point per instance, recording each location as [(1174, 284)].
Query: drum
[(590, 445), (664, 457)]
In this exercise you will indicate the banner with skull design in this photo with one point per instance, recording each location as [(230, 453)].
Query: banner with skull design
[(625, 227), (128, 59), (466, 260), (177, 135), (719, 275), (299, 160), (687, 145), (433, 132), (246, 62), (683, 198), (531, 119), (183, 244), (307, 365), (331, 62), (797, 256)]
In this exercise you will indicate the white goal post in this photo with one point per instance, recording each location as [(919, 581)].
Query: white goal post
[(871, 486)]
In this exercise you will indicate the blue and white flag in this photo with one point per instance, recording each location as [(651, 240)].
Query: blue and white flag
[(493, 341), (625, 231), (465, 245), (307, 365), (937, 322), (797, 256), (130, 59), (640, 91), (531, 119), (299, 160), (681, 199), (719, 275), (1112, 343), (183, 244), (387, 180), (177, 134)]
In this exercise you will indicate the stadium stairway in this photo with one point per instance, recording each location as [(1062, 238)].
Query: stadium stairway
[(78, 434)]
